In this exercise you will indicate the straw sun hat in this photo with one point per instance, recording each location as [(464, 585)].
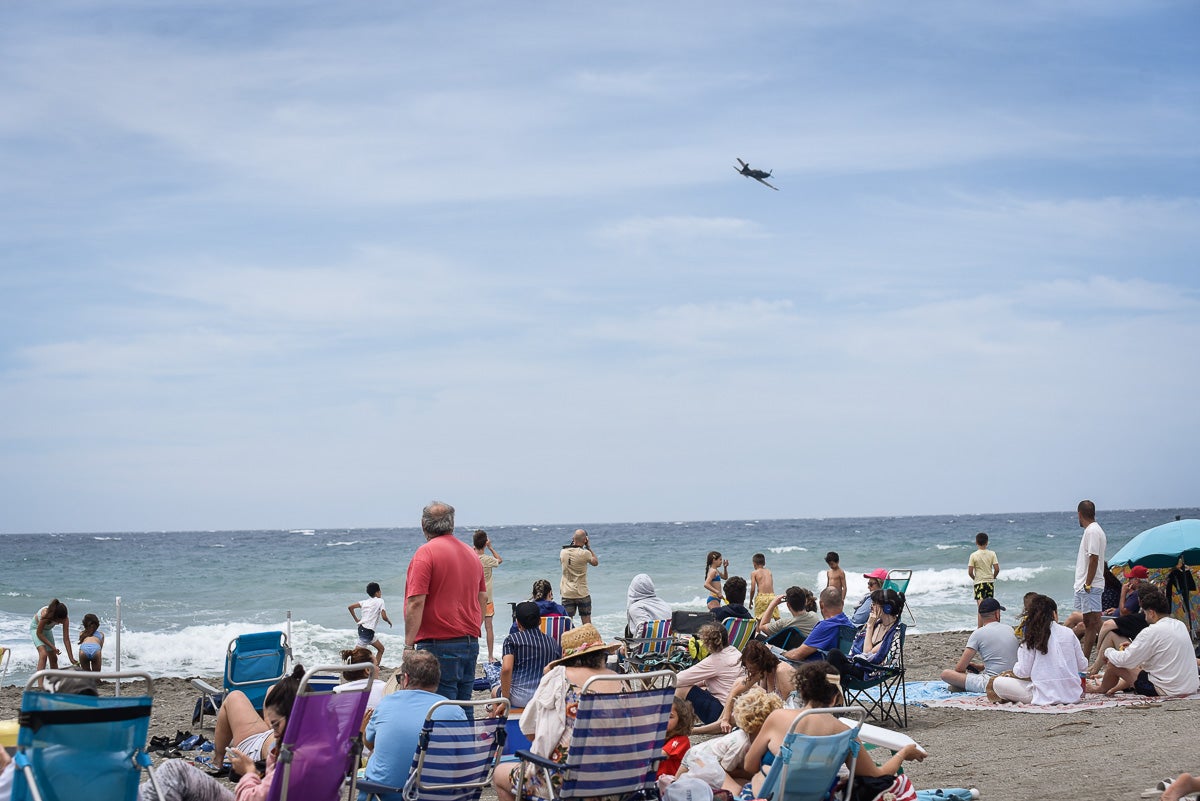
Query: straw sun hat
[(582, 640)]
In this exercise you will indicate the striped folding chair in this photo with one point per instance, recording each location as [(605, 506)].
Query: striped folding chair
[(82, 746), (455, 759), (806, 768), (616, 744), (741, 631), (650, 644), (553, 626)]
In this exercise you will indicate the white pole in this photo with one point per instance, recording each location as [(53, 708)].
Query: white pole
[(289, 639), (118, 638)]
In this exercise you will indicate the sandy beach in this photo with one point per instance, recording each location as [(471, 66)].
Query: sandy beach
[(1112, 753)]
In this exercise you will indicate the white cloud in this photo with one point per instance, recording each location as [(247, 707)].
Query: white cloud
[(642, 231)]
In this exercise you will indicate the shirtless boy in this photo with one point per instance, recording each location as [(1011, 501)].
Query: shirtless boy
[(835, 576), (762, 587)]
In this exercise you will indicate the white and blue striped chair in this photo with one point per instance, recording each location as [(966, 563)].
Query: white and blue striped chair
[(617, 741), (455, 759)]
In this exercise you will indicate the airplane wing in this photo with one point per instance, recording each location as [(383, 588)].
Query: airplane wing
[(744, 164), (764, 183)]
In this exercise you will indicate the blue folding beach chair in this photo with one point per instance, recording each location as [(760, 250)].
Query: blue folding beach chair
[(79, 747), (455, 759), (253, 662), (617, 741), (806, 767)]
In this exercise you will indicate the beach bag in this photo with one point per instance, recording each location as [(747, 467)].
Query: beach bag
[(883, 788), (702, 764), (212, 703)]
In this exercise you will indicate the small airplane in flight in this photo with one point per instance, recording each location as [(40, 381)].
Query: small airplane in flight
[(758, 175)]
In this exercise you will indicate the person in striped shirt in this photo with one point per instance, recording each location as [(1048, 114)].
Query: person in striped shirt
[(526, 653)]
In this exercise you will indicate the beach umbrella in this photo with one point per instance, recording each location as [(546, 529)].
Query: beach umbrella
[(1161, 546)]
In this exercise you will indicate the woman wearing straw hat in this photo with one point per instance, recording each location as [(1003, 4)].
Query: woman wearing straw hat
[(549, 719)]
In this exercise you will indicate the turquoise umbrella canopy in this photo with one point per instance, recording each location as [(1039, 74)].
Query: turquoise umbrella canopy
[(1162, 546)]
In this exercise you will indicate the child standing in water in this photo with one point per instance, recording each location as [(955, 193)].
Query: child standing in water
[(716, 570), (372, 610), (41, 629), (983, 567), (91, 642), (762, 587), (835, 576)]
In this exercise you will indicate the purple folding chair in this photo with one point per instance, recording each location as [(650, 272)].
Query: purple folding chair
[(323, 741)]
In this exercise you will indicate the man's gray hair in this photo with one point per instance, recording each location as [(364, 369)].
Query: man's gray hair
[(437, 518), (423, 670)]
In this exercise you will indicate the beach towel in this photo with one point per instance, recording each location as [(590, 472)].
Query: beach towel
[(1090, 701), (956, 794), (920, 693)]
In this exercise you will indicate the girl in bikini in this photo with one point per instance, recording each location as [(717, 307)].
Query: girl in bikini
[(41, 629), (91, 642), (716, 570)]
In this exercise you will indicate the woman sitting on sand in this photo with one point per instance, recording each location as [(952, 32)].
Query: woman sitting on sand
[(1049, 660), (819, 684), (708, 683), (764, 670), (750, 712), (550, 717), (181, 781), (873, 643)]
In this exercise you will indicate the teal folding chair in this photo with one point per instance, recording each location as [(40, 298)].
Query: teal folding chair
[(80, 747), (253, 663), (898, 580), (806, 767)]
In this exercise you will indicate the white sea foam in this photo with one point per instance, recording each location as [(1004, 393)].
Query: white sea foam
[(787, 549), (106, 539), (336, 544), (942, 547)]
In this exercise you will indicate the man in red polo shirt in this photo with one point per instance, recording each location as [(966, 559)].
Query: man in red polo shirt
[(444, 596)]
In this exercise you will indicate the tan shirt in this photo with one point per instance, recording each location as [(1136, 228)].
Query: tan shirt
[(575, 563), (984, 563), (488, 561)]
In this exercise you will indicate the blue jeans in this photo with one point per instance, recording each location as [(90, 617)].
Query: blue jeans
[(457, 658)]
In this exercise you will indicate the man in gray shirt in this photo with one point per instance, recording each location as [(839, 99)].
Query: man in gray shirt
[(996, 644)]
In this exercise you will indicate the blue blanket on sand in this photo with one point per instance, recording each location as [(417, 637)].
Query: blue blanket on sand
[(921, 692)]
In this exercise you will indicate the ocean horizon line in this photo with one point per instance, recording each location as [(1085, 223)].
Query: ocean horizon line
[(667, 520)]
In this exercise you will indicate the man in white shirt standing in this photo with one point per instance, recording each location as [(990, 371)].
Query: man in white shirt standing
[(1089, 577), (1160, 661)]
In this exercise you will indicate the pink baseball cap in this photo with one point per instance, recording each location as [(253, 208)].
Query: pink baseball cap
[(878, 573)]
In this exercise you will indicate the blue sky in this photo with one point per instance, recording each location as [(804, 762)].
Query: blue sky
[(314, 264)]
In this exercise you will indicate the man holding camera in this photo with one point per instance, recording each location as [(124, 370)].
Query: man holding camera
[(573, 590)]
